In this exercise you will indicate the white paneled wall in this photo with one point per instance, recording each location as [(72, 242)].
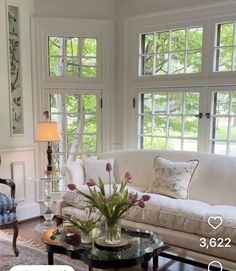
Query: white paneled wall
[(18, 163), (17, 152)]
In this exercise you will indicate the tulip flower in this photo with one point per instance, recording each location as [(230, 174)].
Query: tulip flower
[(141, 204), (91, 182), (104, 199), (146, 197), (108, 167), (71, 186), (128, 176)]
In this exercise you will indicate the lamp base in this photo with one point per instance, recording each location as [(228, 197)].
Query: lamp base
[(48, 173)]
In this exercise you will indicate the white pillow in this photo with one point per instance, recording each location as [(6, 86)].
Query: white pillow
[(172, 178), (95, 168)]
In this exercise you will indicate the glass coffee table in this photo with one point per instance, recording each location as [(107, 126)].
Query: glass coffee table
[(141, 248)]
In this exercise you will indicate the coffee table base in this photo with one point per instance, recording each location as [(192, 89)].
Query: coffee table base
[(144, 265)]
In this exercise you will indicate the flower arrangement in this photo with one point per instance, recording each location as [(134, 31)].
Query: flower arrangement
[(114, 205), (73, 224)]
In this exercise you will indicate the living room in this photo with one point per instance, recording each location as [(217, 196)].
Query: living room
[(151, 75)]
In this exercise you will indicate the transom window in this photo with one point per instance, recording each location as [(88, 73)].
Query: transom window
[(78, 119), (72, 56), (225, 45), (223, 132), (175, 51), (168, 120)]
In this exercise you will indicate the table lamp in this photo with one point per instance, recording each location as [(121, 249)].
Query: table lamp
[(47, 132)]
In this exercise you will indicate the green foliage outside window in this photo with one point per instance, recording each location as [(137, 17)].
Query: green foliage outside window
[(72, 56), (76, 115), (225, 47), (171, 52), (166, 118)]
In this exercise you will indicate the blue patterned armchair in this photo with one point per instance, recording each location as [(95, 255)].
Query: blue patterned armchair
[(8, 211)]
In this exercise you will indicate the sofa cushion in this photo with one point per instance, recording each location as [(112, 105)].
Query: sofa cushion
[(172, 178), (95, 168), (189, 216)]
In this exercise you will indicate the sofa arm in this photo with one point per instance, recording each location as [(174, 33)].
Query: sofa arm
[(74, 172), (60, 204)]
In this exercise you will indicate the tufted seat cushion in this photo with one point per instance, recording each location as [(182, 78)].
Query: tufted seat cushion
[(6, 204), (190, 216), (7, 218)]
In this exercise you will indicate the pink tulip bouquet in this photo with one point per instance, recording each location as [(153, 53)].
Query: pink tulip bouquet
[(114, 204)]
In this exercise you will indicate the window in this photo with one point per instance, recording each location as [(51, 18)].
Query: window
[(223, 132), (225, 44), (78, 118), (176, 51), (168, 120), (72, 56)]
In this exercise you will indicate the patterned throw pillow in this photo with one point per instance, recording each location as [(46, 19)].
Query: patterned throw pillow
[(172, 178)]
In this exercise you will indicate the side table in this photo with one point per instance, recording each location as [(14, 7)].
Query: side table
[(48, 202)]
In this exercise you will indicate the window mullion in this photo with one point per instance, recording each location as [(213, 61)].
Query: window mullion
[(154, 54), (183, 123), (64, 59), (169, 53), (64, 116), (152, 119), (234, 53), (186, 48), (80, 56), (229, 121)]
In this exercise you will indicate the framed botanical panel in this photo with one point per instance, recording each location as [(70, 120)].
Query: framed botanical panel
[(16, 99)]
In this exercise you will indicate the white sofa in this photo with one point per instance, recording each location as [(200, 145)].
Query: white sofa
[(181, 222)]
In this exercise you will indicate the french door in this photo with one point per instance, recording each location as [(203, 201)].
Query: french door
[(172, 119)]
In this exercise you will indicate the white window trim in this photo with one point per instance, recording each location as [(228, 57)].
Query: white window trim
[(208, 17), (41, 28), (98, 112), (202, 109)]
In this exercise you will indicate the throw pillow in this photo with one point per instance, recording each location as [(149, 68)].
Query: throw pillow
[(172, 178), (95, 168)]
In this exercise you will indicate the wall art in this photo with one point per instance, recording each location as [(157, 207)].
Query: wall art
[(16, 98)]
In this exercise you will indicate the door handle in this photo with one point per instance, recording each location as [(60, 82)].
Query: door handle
[(199, 115), (208, 115)]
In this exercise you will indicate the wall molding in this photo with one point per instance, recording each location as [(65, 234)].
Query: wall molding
[(18, 174), (198, 11), (17, 149)]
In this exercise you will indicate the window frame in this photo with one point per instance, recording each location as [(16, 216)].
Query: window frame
[(202, 108), (216, 47), (79, 57), (205, 80), (80, 92), (68, 79), (170, 52), (103, 83), (212, 114)]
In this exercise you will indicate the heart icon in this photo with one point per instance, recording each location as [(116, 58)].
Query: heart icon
[(215, 221), (212, 265)]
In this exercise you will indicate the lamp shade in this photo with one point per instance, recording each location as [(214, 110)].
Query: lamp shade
[(47, 131)]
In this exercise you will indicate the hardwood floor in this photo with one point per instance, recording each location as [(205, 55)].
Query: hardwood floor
[(26, 231)]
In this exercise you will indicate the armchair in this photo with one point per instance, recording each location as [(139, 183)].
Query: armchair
[(8, 211)]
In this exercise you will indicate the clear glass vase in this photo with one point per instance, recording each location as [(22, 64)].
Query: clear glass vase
[(86, 237), (113, 232)]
